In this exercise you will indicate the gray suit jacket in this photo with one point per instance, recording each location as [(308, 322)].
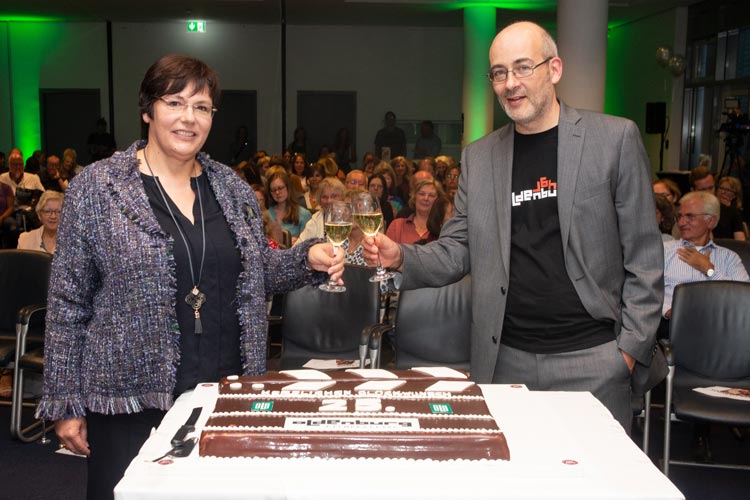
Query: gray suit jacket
[(611, 242)]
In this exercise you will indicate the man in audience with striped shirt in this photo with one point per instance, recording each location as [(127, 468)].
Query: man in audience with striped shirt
[(695, 256)]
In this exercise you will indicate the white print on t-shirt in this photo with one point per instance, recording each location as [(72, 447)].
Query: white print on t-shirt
[(545, 188)]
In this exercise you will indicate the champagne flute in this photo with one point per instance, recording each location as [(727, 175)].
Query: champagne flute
[(337, 221), (369, 217)]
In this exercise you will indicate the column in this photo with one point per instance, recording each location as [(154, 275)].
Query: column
[(477, 100), (582, 45)]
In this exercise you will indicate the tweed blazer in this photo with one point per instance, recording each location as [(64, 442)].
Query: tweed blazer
[(112, 339), (611, 243)]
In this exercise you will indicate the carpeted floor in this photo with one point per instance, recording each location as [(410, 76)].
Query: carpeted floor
[(36, 472)]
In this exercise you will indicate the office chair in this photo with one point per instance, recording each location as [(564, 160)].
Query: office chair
[(323, 325), (709, 346), (432, 328)]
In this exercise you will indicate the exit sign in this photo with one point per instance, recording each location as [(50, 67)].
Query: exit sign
[(196, 26)]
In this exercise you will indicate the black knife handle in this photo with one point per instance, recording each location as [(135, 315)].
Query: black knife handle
[(179, 437), (185, 449)]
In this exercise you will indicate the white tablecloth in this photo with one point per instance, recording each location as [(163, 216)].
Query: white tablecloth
[(562, 445)]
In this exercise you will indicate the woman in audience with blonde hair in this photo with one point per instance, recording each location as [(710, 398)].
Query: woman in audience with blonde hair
[(403, 169), (413, 229), (668, 188), (443, 163), (282, 202), (729, 193), (44, 238), (330, 189), (69, 167)]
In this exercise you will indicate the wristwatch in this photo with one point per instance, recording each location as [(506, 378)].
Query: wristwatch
[(711, 271)]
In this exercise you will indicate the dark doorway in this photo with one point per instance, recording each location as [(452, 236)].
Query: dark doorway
[(68, 116), (237, 108), (322, 114)]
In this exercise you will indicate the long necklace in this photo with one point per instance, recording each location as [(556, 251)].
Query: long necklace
[(195, 298)]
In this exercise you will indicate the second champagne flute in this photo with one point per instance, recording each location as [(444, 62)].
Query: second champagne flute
[(369, 217), (337, 221)]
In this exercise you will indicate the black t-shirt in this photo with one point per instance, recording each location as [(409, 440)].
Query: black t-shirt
[(730, 222), (543, 313), (216, 352)]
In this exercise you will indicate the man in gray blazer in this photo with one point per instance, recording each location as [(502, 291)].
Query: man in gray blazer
[(555, 220)]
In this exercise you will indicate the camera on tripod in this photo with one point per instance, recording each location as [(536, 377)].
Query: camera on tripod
[(737, 123)]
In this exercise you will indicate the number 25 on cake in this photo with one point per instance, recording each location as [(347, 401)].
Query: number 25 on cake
[(422, 413)]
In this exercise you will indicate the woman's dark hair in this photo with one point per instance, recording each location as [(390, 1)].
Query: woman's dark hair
[(666, 209), (385, 205), (437, 215), (170, 74)]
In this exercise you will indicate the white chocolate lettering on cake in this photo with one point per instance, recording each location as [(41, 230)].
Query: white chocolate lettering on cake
[(333, 405)]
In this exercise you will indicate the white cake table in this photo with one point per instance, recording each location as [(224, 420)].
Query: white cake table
[(562, 445)]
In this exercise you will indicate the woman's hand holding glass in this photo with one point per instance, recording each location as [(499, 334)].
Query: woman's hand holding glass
[(337, 221)]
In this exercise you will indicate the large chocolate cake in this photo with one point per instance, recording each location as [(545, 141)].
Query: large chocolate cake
[(424, 413)]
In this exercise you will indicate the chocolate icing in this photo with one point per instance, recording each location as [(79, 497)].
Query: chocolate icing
[(466, 431)]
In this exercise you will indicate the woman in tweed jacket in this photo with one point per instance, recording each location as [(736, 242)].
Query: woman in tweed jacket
[(122, 340)]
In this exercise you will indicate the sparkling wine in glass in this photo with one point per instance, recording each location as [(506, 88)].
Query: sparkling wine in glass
[(369, 217), (337, 221)]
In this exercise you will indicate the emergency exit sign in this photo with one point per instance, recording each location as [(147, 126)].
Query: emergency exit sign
[(196, 26)]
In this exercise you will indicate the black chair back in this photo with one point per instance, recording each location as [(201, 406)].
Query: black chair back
[(324, 325), (433, 325), (710, 329), (741, 248), (24, 277)]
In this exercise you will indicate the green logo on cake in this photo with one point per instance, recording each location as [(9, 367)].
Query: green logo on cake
[(262, 406), (443, 408)]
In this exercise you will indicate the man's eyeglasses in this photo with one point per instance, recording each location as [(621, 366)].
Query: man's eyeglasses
[(499, 75), (202, 110), (356, 183), (278, 189), (689, 217), (451, 176), (49, 212)]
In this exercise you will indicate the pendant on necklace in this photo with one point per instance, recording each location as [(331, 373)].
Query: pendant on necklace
[(196, 299)]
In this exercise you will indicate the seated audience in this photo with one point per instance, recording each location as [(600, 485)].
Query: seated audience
[(316, 174), (664, 216), (16, 178), (300, 169), (330, 189), (376, 185), (695, 256), (729, 192), (443, 163), (356, 179), (70, 167), (668, 188), (403, 169), (450, 183), (413, 229), (282, 202), (271, 228), (730, 222), (427, 163), (50, 176), (44, 238), (416, 178), (391, 194)]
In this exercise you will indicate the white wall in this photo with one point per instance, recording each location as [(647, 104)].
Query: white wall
[(415, 72), (246, 57)]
